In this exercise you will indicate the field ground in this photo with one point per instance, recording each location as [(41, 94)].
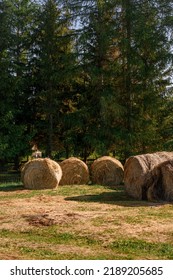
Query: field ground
[(82, 222)]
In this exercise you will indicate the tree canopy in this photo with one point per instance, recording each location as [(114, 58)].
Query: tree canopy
[(85, 78)]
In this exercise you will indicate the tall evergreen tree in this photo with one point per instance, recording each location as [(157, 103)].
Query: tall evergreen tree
[(17, 16), (97, 54), (54, 60), (124, 50), (146, 54), (85, 75)]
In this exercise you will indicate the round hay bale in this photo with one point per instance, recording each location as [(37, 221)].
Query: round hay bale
[(137, 172), (75, 172), (107, 171), (41, 174), (160, 186)]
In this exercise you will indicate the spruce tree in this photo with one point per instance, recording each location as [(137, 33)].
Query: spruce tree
[(53, 73), (16, 26), (145, 55), (97, 54)]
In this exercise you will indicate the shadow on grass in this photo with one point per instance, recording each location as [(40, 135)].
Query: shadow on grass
[(117, 197), (11, 187)]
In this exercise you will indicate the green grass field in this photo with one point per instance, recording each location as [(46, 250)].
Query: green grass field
[(82, 222)]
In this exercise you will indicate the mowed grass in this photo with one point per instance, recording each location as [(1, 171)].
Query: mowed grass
[(82, 222)]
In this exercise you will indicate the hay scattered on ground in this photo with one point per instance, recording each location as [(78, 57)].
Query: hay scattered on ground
[(107, 171), (75, 172), (138, 172), (41, 174)]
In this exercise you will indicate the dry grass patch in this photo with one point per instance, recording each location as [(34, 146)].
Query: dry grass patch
[(83, 222)]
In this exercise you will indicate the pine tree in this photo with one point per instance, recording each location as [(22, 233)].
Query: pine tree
[(86, 76), (16, 25), (97, 54), (145, 50), (54, 72)]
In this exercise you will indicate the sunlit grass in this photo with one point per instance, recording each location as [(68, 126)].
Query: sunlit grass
[(93, 231)]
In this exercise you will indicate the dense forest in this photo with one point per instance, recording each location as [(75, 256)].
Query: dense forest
[(85, 78)]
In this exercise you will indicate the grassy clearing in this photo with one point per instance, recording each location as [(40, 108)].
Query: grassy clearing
[(82, 222)]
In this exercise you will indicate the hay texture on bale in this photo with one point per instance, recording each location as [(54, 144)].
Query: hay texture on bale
[(137, 172), (41, 174), (75, 172), (107, 171), (160, 183)]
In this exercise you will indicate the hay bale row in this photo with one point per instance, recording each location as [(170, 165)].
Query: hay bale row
[(46, 173), (146, 177), (149, 176), (104, 171)]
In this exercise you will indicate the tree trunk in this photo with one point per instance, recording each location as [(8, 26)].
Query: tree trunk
[(50, 136)]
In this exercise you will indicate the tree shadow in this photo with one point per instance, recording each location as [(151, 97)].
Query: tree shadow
[(11, 187), (118, 197)]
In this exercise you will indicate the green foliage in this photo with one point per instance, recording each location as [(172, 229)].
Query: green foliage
[(84, 77), (54, 77), (15, 133)]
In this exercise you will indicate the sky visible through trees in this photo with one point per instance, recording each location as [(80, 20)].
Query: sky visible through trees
[(85, 78)]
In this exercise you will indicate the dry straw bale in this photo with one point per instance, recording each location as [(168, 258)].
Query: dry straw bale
[(107, 171), (138, 175), (160, 185), (41, 174), (75, 172)]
